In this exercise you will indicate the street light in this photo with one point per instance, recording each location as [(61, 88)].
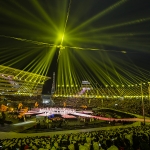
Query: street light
[(149, 92), (143, 109)]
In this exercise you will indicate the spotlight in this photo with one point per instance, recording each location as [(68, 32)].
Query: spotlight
[(124, 52)]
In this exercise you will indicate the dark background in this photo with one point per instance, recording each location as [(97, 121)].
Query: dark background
[(25, 19)]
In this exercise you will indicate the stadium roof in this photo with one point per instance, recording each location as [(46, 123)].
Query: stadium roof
[(22, 75)]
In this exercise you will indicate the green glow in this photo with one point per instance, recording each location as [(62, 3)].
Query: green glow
[(44, 34)]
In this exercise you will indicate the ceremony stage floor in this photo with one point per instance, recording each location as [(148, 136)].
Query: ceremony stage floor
[(112, 119), (11, 130)]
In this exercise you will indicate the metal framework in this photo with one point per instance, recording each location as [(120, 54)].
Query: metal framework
[(19, 82)]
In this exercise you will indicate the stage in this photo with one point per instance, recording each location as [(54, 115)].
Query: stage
[(64, 114)]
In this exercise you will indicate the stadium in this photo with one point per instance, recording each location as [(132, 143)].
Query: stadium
[(74, 75)]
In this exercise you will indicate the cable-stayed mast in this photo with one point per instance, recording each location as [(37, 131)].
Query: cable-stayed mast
[(53, 85)]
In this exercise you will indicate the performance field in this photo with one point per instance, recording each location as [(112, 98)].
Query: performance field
[(59, 119), (72, 113)]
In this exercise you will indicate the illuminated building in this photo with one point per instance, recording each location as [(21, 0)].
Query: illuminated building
[(19, 82)]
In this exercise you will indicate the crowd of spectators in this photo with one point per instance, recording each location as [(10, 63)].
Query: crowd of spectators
[(129, 138), (133, 106)]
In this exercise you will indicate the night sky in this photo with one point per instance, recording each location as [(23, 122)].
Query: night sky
[(121, 27)]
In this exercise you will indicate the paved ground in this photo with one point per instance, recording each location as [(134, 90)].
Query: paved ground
[(5, 135), (17, 126)]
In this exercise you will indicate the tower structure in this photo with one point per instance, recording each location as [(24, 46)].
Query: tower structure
[(53, 84)]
